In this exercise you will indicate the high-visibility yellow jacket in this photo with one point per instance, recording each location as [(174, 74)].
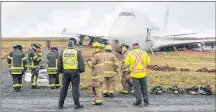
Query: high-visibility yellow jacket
[(70, 59), (137, 60)]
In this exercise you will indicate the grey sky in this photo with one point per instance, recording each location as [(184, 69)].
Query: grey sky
[(24, 19)]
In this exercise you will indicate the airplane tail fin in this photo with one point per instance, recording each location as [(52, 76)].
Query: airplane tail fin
[(64, 31), (166, 20), (166, 33)]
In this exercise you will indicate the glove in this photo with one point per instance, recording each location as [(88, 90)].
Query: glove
[(25, 69), (88, 60)]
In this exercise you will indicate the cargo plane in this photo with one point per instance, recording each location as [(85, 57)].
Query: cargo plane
[(132, 25)]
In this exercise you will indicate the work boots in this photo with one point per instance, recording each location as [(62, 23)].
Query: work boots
[(78, 106), (106, 95), (146, 102), (124, 92), (60, 107), (111, 95), (96, 103), (35, 87), (52, 87), (137, 104), (16, 89)]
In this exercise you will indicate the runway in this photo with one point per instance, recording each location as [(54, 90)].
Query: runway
[(46, 100)]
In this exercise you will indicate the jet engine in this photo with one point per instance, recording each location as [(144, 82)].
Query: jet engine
[(76, 41)]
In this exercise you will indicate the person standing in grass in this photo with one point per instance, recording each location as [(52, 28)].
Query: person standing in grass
[(137, 60)]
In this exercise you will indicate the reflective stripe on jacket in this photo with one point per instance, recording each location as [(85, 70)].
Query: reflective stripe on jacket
[(137, 60), (110, 64), (17, 61), (52, 62), (33, 59)]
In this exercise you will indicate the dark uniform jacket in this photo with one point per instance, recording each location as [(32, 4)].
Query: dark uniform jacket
[(81, 65), (17, 61), (33, 59), (52, 62)]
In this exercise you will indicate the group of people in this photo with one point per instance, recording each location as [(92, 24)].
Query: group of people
[(104, 64), (19, 63)]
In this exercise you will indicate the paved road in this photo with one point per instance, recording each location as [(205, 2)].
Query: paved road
[(45, 100), (158, 103)]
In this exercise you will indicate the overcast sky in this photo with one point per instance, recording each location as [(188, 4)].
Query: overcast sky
[(27, 19)]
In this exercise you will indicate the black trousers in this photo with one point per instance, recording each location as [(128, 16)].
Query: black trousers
[(34, 72), (141, 90), (17, 81), (54, 80), (74, 77)]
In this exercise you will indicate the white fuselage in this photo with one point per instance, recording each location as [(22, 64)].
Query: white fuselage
[(130, 28)]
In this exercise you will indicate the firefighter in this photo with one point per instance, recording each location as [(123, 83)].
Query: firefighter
[(34, 58), (97, 75), (52, 62), (71, 64), (17, 62), (111, 68), (137, 60), (48, 43), (126, 79)]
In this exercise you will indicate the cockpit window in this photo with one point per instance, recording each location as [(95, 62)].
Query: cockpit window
[(127, 14)]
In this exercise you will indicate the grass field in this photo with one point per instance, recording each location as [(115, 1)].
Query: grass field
[(164, 79)]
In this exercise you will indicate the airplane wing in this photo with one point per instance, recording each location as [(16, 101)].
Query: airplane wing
[(65, 32), (182, 34), (173, 35), (182, 43), (79, 37)]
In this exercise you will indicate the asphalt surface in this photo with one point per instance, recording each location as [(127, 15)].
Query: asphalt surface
[(46, 100)]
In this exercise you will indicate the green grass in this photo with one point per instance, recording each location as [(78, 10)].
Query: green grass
[(164, 79)]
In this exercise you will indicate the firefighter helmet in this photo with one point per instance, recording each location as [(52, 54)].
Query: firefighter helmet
[(136, 42), (36, 46), (18, 46), (96, 44), (124, 44), (54, 48), (108, 47)]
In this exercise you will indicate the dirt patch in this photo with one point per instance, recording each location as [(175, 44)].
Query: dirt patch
[(206, 70), (184, 69), (161, 68)]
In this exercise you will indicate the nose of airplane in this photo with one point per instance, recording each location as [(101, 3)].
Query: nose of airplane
[(130, 25)]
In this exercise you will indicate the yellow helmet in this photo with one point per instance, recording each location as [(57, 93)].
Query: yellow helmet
[(108, 47), (96, 44)]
